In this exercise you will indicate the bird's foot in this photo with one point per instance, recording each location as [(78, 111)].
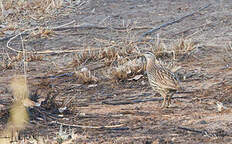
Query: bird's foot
[(163, 106)]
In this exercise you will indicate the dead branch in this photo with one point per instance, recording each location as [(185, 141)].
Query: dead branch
[(93, 26), (172, 22), (114, 127), (85, 26), (204, 132), (19, 34), (137, 101)]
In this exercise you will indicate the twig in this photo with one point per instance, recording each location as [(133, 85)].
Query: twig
[(93, 26), (58, 27), (83, 26), (68, 74), (137, 101), (115, 127), (24, 58), (62, 51), (88, 26), (172, 22), (7, 44), (204, 132), (25, 33)]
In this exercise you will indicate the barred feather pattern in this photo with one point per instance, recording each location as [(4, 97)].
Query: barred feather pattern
[(161, 79)]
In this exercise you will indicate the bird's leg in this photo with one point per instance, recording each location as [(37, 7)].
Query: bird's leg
[(169, 98), (164, 101)]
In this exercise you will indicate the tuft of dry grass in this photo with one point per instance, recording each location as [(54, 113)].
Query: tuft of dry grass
[(107, 54), (183, 46), (18, 15), (228, 53), (41, 32), (34, 57), (122, 58), (127, 70), (35, 9), (159, 48), (179, 48), (19, 87), (87, 54), (9, 63), (18, 113), (85, 76)]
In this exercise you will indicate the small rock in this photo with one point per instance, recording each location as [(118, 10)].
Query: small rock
[(143, 83)]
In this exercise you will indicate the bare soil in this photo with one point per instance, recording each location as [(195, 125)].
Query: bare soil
[(129, 106)]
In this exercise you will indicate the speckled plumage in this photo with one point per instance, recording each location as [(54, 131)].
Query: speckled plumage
[(161, 79)]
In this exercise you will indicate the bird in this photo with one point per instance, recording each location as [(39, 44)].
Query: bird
[(161, 79)]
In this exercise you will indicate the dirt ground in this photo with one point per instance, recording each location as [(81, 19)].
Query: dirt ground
[(127, 111)]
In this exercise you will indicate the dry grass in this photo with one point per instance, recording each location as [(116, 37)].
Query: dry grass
[(19, 15), (123, 60), (120, 59), (228, 53), (127, 70), (41, 32), (85, 76), (34, 57), (183, 46), (178, 48), (9, 63), (18, 113), (14, 10), (160, 49), (116, 52), (12, 62)]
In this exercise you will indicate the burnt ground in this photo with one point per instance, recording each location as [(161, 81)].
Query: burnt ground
[(129, 106)]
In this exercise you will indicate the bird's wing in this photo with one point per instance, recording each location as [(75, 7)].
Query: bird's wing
[(167, 79)]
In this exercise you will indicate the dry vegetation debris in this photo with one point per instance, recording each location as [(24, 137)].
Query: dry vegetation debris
[(14, 61), (184, 46), (228, 53), (125, 60), (85, 76), (20, 15), (18, 113), (40, 33), (178, 48), (9, 62), (18, 10), (127, 70), (119, 60)]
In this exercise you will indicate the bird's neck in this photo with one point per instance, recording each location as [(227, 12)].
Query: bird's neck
[(151, 62)]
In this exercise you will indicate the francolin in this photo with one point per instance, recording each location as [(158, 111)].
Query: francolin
[(161, 79)]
